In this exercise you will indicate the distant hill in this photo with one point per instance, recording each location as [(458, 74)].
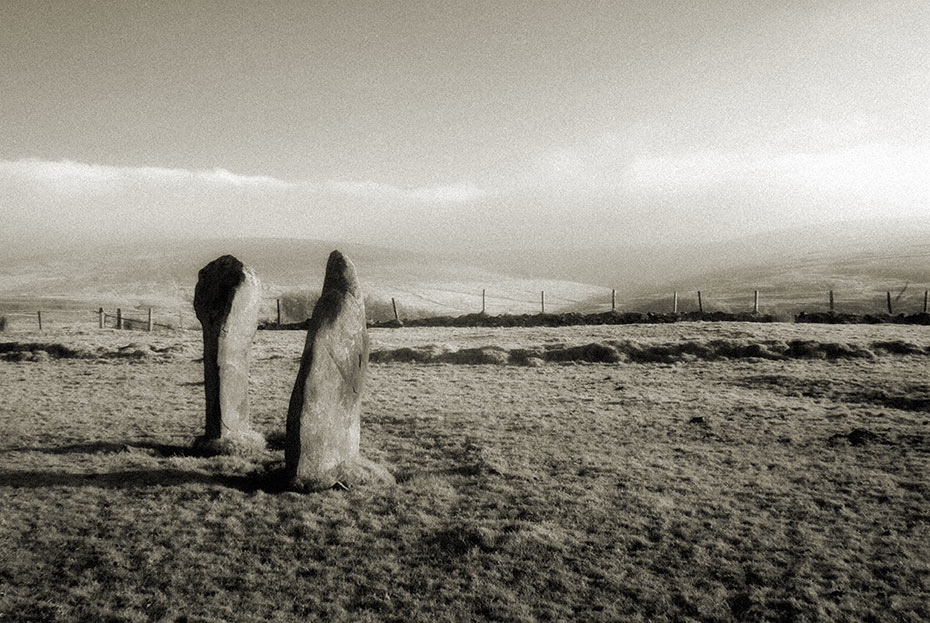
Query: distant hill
[(793, 270), (859, 283), (162, 274), (635, 269)]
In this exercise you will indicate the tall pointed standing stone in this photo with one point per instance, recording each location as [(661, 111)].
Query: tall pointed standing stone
[(323, 423), (226, 300)]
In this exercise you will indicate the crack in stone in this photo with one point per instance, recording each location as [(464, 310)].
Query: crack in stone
[(342, 372)]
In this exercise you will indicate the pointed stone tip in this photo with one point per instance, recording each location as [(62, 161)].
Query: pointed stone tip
[(340, 274), (227, 263), (216, 285)]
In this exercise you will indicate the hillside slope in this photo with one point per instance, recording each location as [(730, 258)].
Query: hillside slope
[(793, 270), (860, 281), (163, 274)]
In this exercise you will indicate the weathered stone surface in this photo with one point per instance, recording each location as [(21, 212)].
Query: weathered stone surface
[(226, 300), (323, 420)]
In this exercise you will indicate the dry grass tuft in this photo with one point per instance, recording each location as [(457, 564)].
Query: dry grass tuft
[(493, 355), (594, 352)]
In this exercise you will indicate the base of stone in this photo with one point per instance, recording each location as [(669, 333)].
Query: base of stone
[(355, 472), (243, 443)]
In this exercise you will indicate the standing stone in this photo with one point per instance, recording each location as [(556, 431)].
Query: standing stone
[(226, 300), (323, 424)]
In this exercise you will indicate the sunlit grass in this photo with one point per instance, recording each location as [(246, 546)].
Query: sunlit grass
[(678, 488)]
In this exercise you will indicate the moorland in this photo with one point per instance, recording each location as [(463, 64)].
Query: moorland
[(690, 471)]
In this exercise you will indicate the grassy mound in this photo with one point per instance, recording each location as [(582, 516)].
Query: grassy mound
[(632, 352), (833, 318), (40, 351), (569, 319), (32, 351)]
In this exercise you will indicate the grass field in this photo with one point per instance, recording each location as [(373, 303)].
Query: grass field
[(712, 472)]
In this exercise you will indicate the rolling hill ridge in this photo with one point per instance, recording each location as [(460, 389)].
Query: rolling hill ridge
[(793, 270)]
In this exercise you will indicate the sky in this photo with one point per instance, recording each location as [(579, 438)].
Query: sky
[(459, 125)]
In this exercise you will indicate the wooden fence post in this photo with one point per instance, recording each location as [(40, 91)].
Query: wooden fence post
[(755, 301), (675, 302), (926, 297), (150, 319), (119, 318), (100, 318), (394, 305), (700, 303), (613, 299), (542, 301), (889, 302), (482, 301), (831, 302), (39, 314), (278, 303)]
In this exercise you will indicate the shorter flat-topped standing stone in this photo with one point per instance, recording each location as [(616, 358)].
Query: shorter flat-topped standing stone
[(226, 300), (323, 421)]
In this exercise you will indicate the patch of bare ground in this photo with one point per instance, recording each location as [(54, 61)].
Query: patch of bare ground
[(733, 487)]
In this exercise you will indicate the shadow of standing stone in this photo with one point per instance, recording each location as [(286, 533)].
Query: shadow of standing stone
[(226, 300), (323, 423)]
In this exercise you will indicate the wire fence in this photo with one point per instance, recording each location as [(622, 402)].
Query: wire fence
[(288, 309), (140, 320)]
